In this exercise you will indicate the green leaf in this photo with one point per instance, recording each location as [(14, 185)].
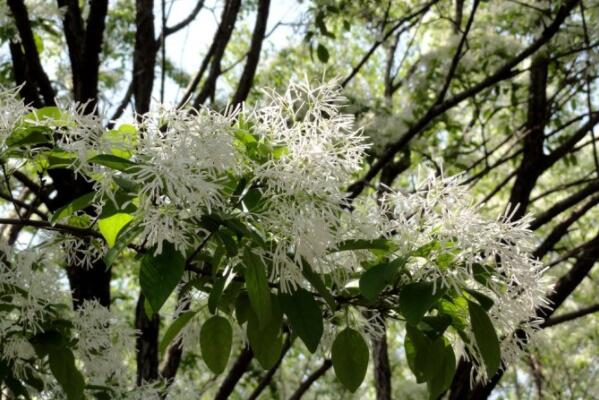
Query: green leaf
[(174, 329), (431, 360), (78, 204), (482, 273), (360, 244), (159, 275), (318, 284), (113, 162), (350, 358), (416, 299), (215, 293), (322, 53), (111, 226), (374, 280), (485, 301), (122, 140), (125, 236), (32, 135), (226, 237), (305, 317), (45, 113), (446, 366), (216, 338), (266, 340), (62, 365), (486, 337), (257, 286), (242, 308), (425, 250), (435, 326), (39, 43)]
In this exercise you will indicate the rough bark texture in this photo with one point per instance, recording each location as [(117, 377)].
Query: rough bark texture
[(146, 344), (382, 369), (247, 77)]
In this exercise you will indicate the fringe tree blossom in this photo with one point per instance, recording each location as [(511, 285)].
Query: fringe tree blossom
[(251, 205)]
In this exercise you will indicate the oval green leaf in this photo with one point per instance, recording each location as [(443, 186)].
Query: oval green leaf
[(350, 358), (216, 339), (159, 275), (257, 286), (305, 317), (486, 338)]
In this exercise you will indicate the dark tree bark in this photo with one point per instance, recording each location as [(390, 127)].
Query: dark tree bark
[(144, 57), (532, 164), (221, 40), (235, 373), (24, 76), (21, 17), (382, 369), (146, 345), (247, 76)]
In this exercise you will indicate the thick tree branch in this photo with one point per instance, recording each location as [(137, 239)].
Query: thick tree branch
[(570, 316), (253, 56), (21, 17), (561, 229), (221, 40), (267, 378), (562, 205), (74, 34), (235, 373), (87, 88), (169, 30), (144, 57), (313, 377)]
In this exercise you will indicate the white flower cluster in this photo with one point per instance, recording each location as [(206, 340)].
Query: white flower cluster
[(455, 246), (12, 110), (29, 287), (103, 341), (295, 153), (303, 186)]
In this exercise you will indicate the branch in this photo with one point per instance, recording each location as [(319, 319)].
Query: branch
[(235, 373), (253, 56), (22, 75), (146, 343), (458, 54), (122, 106), (558, 153), (504, 72), (314, 376), (24, 205), (169, 30), (90, 55), (383, 39), (562, 228), (566, 317), (21, 17), (221, 40), (564, 204), (144, 57), (74, 32), (73, 230), (267, 378), (38, 190)]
